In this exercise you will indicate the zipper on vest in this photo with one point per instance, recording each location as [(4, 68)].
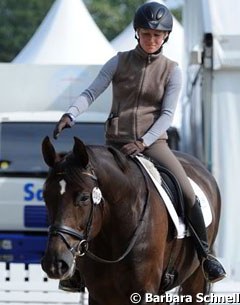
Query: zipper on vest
[(149, 58), (146, 62)]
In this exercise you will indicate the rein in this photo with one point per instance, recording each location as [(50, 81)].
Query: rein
[(82, 248)]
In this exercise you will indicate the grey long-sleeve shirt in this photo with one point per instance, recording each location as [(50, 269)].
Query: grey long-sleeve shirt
[(103, 80)]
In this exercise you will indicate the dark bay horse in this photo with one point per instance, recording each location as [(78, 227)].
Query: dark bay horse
[(108, 222)]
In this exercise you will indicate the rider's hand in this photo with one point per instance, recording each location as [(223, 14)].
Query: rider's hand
[(133, 148), (65, 122)]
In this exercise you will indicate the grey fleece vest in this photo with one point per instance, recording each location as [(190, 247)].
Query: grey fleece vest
[(138, 89)]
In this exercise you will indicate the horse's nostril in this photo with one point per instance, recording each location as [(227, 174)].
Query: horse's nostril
[(62, 267), (56, 269)]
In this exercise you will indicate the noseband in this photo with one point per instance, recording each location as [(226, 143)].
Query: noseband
[(77, 250), (82, 247)]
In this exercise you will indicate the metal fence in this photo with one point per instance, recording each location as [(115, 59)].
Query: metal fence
[(28, 284)]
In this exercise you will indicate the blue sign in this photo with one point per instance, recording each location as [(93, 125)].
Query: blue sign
[(31, 192)]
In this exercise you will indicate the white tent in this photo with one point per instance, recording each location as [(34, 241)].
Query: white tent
[(60, 60), (211, 114), (67, 35)]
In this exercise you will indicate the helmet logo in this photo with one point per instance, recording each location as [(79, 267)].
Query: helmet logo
[(150, 14), (160, 13)]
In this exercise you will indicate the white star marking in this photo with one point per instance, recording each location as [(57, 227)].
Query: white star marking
[(62, 184)]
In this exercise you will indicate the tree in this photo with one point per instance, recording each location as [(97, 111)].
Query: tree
[(19, 19), (112, 16)]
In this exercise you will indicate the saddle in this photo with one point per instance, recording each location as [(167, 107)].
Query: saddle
[(170, 185), (169, 189)]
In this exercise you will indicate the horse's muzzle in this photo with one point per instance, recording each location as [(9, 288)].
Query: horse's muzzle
[(58, 270), (58, 263)]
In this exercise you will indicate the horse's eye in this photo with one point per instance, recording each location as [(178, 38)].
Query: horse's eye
[(82, 198)]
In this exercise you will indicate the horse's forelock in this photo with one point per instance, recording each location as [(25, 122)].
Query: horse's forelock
[(66, 168)]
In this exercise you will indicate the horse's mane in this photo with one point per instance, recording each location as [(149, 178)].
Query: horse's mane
[(66, 164), (120, 158)]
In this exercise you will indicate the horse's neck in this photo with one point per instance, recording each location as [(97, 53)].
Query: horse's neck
[(116, 185), (120, 182), (123, 193), (112, 177)]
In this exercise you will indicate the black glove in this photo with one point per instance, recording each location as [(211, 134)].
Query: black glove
[(133, 148), (65, 122)]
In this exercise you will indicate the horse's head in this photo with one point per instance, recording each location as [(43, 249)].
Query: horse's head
[(73, 202)]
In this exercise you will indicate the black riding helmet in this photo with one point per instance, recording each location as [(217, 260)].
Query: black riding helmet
[(153, 15)]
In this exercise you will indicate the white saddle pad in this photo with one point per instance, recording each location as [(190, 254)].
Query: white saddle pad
[(178, 222)]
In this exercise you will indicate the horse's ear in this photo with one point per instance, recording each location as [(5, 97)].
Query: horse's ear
[(80, 152), (48, 152)]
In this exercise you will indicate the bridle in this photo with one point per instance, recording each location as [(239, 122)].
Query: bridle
[(81, 248)]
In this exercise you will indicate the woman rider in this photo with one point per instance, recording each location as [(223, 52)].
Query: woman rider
[(146, 88)]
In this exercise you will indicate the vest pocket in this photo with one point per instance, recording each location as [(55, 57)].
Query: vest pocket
[(112, 126)]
